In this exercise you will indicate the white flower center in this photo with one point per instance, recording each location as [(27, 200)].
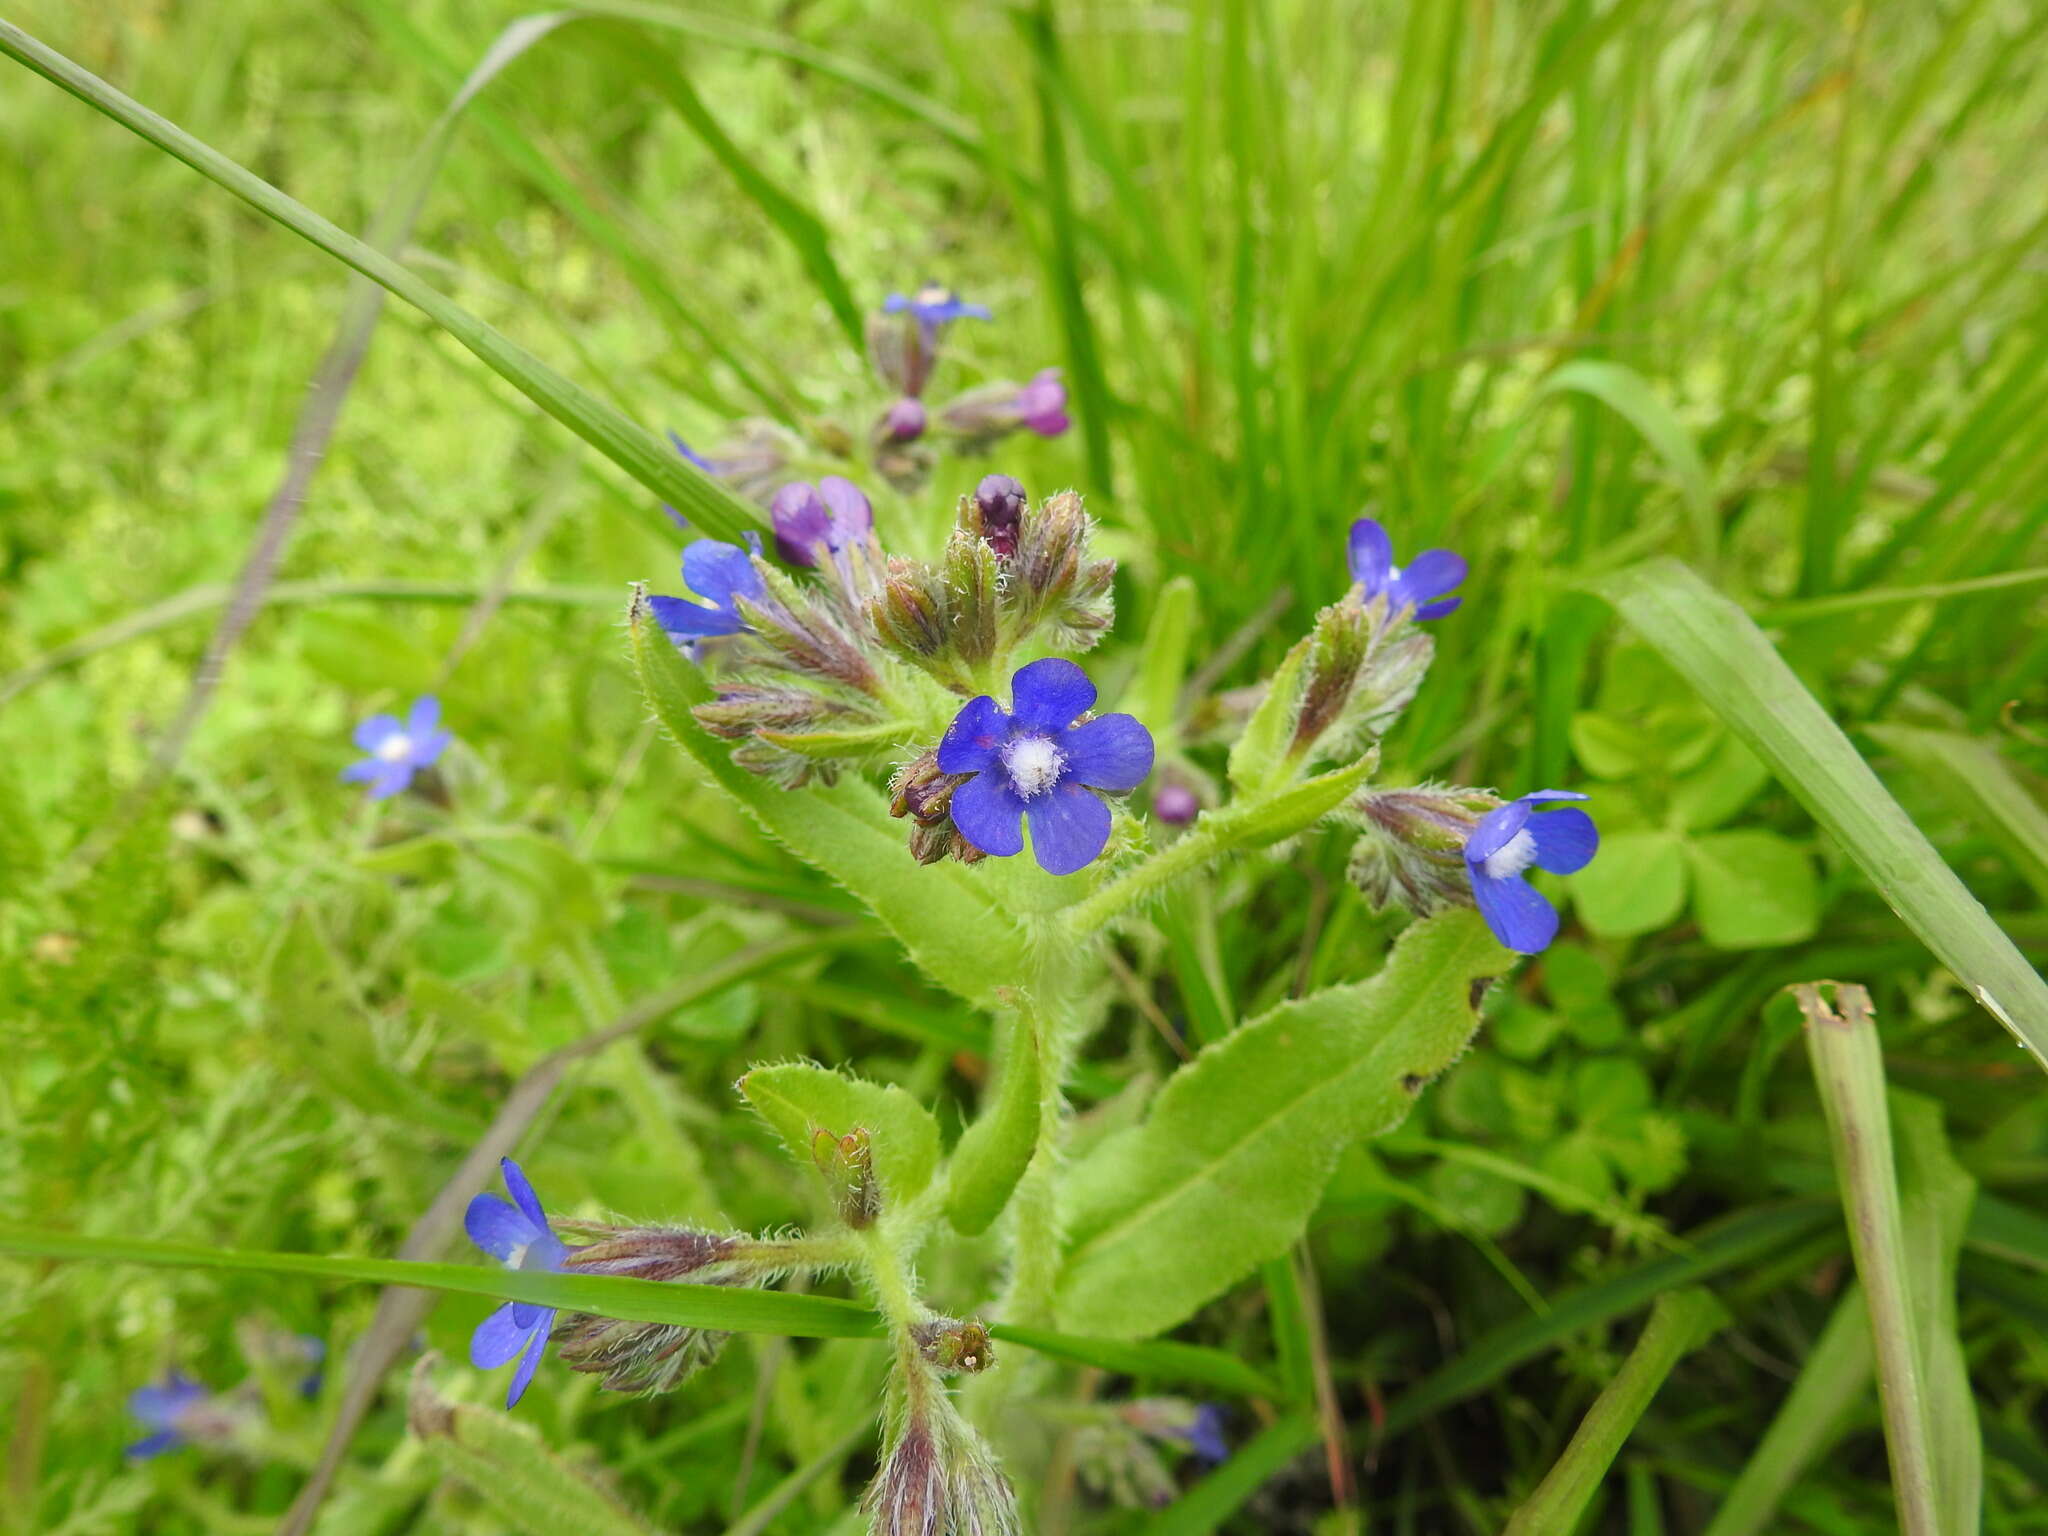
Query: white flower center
[(1511, 857), (395, 748), (516, 1259), (1393, 573), (1035, 765)]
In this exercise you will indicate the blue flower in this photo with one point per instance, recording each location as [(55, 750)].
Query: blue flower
[(833, 512), (690, 457), (171, 1410), (1205, 1434), (398, 749), (516, 1234), (1035, 763), (934, 307), (1429, 576), (721, 574), (1511, 840)]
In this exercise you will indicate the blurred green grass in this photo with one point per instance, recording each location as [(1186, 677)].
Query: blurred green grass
[(1561, 285)]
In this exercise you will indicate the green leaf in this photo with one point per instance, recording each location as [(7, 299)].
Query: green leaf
[(1680, 1323), (1231, 1163), (799, 1099), (1721, 784), (1163, 1360), (942, 914), (1752, 890), (1974, 777), (1721, 652), (1635, 885), (1263, 822), (1153, 695), (1259, 754), (994, 1150), (649, 460), (724, 1307), (1608, 748)]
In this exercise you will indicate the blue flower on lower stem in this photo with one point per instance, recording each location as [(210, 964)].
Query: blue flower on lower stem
[(517, 1234), (1033, 763), (1514, 839), (168, 1409), (1429, 576), (719, 573), (398, 749)]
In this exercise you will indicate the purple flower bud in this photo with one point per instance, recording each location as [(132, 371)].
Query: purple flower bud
[(1041, 405), (904, 421), (1001, 501), (1176, 804)]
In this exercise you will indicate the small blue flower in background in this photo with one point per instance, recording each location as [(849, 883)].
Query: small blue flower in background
[(692, 458), (313, 1351), (398, 749), (171, 1410), (1035, 764), (934, 307), (719, 573), (1510, 841), (516, 1234), (1205, 1435), (833, 512), (1429, 576), (1041, 405)]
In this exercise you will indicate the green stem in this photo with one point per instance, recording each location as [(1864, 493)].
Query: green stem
[(1210, 837)]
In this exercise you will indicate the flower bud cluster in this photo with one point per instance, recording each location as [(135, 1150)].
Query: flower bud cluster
[(925, 794), (1412, 850), (940, 1478), (1360, 668), (632, 1356)]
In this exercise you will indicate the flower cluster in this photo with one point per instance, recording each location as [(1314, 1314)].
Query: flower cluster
[(179, 1411), (627, 1356), (864, 665)]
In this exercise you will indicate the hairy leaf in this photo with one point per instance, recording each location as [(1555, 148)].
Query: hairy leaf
[(1233, 1159), (799, 1099)]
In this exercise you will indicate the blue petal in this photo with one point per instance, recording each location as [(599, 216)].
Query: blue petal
[(1566, 840), (852, 514), (1068, 827), (425, 749), (1516, 912), (970, 742), (720, 572), (154, 1445), (1372, 555), (497, 1339), (1205, 1435), (362, 772), (684, 620), (390, 778), (1496, 830), (989, 815), (1049, 694), (696, 459), (1113, 753), (1431, 574), (377, 730), (159, 1405), (425, 715), (1545, 796), (523, 1195), (529, 1362), (801, 521), (498, 1228), (1438, 610)]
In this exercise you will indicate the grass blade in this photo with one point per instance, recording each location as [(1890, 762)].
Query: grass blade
[(1679, 1324), (1848, 1064), (1204, 1507), (1741, 677), (634, 449)]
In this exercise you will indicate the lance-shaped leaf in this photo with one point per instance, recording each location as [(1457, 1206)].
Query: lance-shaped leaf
[(995, 1150), (942, 915), (1233, 1159)]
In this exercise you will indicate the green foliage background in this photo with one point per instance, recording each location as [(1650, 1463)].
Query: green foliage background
[(1561, 284)]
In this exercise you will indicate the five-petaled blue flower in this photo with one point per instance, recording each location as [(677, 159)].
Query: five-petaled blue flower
[(169, 1409), (833, 512), (719, 573), (398, 749), (518, 1236), (934, 307), (1431, 575), (1511, 840), (1035, 764)]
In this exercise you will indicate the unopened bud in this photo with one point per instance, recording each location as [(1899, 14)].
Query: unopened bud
[(650, 1357), (910, 614), (920, 790), (955, 1348), (1054, 581), (1412, 853), (1176, 804), (848, 1164), (973, 597), (996, 512), (903, 422), (1337, 649), (940, 1479)]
